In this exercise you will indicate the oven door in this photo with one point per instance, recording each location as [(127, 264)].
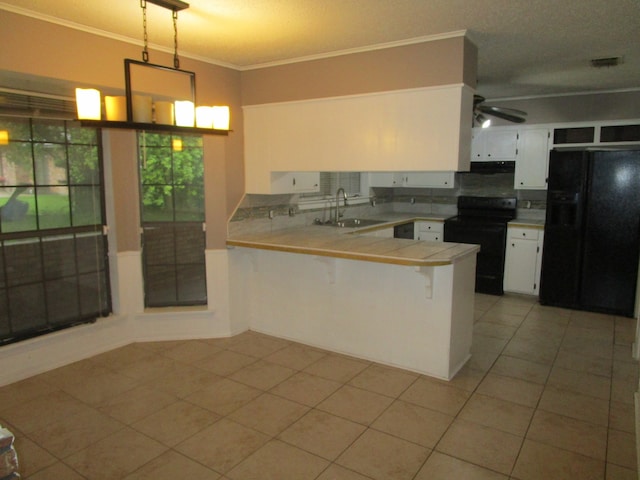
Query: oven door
[(491, 236)]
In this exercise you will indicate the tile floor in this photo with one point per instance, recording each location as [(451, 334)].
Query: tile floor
[(548, 394)]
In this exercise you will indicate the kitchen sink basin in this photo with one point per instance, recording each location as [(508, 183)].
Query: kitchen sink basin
[(355, 223)]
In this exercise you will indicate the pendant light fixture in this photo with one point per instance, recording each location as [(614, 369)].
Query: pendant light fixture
[(171, 111)]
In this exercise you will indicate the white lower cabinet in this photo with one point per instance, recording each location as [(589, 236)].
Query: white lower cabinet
[(523, 260), (429, 231)]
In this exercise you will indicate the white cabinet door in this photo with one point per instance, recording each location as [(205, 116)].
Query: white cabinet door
[(523, 260), (429, 231), (495, 144), (384, 179), (428, 179), (295, 182), (533, 159)]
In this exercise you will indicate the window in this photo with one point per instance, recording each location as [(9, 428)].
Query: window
[(172, 199), (53, 258)]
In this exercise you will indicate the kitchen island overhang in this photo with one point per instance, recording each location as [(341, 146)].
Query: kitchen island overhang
[(402, 303)]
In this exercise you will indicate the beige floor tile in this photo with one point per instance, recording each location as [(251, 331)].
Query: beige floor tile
[(306, 388), (355, 404), (588, 342), (66, 436), (337, 367), (336, 472), (224, 396), (136, 404), (467, 378), (40, 412), (522, 369), (171, 466), (482, 361), (569, 434), (580, 382), (115, 456), (124, 357), (258, 345), (484, 446), (384, 457), (69, 374), (621, 449), (96, 390), (57, 471), (444, 467), (147, 369), (269, 414), (267, 464), (534, 351), (23, 391), (622, 391), (484, 343), (263, 375), (191, 352), (626, 372), (32, 458), (538, 461), (616, 472), (497, 413), (436, 396), (583, 363), (623, 353), (495, 330), (225, 362), (384, 380), (296, 356), (592, 320), (513, 308), (222, 445), (501, 318), (175, 423), (574, 405), (182, 380), (511, 389), (322, 434), (622, 416), (414, 423)]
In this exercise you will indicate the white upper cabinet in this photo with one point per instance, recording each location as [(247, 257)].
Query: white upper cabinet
[(412, 179), (532, 163), (424, 129), (497, 144), (295, 182)]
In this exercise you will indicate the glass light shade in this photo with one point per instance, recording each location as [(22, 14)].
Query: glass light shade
[(4, 137), (142, 108), (88, 104), (185, 113), (204, 117), (176, 144), (163, 112), (221, 118), (115, 108)]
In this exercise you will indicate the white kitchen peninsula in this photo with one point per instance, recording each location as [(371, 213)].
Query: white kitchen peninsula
[(400, 302)]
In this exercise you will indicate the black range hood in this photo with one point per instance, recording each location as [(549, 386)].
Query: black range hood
[(493, 167)]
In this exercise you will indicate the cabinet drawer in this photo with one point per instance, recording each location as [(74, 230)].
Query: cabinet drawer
[(436, 227), (524, 233)]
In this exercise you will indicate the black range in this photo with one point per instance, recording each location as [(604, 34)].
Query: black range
[(483, 221)]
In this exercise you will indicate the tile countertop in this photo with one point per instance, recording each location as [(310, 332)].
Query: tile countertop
[(354, 244), (527, 223)]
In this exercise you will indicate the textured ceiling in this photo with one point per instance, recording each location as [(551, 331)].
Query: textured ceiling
[(526, 47)]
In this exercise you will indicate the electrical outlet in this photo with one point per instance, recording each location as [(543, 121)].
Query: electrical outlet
[(271, 214)]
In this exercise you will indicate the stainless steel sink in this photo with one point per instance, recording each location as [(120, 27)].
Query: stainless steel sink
[(355, 223)]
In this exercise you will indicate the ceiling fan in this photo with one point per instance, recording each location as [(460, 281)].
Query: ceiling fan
[(480, 111)]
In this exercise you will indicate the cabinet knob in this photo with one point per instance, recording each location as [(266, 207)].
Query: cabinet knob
[(513, 245)]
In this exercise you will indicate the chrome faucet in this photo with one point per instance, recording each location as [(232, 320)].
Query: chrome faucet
[(344, 196)]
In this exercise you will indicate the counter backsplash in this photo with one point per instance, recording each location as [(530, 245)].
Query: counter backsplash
[(260, 213)]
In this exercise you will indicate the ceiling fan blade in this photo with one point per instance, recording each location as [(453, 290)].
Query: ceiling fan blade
[(509, 114)]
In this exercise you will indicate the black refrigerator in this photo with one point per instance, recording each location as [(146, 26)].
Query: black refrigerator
[(592, 231)]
